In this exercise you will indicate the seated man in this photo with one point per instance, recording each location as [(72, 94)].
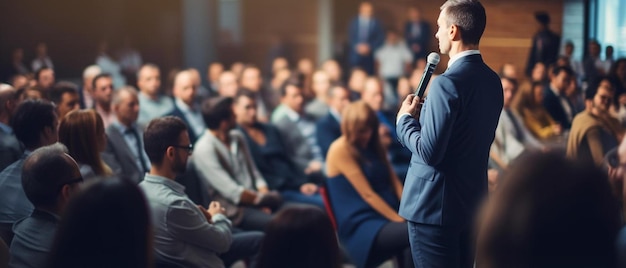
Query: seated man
[(298, 131), (185, 106), (268, 153), (222, 161), (35, 125), (186, 235), (50, 177), (153, 103), (328, 129), (10, 148)]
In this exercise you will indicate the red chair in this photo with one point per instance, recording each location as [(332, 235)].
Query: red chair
[(328, 206)]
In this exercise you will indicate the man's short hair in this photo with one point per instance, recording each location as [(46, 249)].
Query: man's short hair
[(469, 16), (161, 133), (39, 71), (292, 81), (335, 87), (244, 92), (542, 17), (556, 70), (100, 75), (30, 119), (46, 170), (147, 65), (216, 110), (117, 94), (56, 92)]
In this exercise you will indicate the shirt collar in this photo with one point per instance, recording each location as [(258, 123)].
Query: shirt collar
[(334, 113), (6, 128), (462, 54), (183, 106), (555, 91), (175, 186)]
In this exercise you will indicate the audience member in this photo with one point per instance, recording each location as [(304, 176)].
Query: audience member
[(318, 107), (312, 230), (35, 125), (29, 93), (365, 35), (202, 93), (298, 131), (509, 70), (153, 102), (65, 97), (10, 147), (49, 177), (365, 192), (106, 224), (279, 78), (576, 65), (544, 199), (305, 69), (86, 92), (594, 131), (227, 85), (328, 128), (185, 106), (539, 73), (404, 88), (393, 60), (130, 61), (546, 43), (108, 65), (608, 59), (574, 96), (356, 82), (237, 68), (42, 60), (102, 94), (279, 63), (417, 34), (511, 137), (17, 63), (45, 78), (268, 151), (224, 163), (251, 79), (529, 106), (333, 70), (19, 81), (617, 76), (124, 144), (592, 65), (84, 135), (214, 72), (554, 99)]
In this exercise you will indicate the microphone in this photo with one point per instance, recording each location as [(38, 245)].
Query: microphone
[(431, 64)]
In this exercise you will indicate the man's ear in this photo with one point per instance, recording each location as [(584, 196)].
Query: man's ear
[(454, 33), (66, 192)]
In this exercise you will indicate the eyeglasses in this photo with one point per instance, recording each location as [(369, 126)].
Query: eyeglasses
[(70, 182), (189, 147)]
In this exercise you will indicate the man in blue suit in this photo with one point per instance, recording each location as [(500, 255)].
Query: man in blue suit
[(328, 128), (417, 34), (450, 142), (554, 100), (365, 36)]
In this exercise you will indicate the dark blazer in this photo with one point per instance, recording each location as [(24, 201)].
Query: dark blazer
[(422, 39), (450, 144), (553, 105), (121, 159), (327, 131), (546, 53), (296, 144), (10, 149), (375, 39), (178, 113)]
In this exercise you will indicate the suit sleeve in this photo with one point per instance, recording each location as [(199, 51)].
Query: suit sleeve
[(187, 223), (210, 170), (428, 138)]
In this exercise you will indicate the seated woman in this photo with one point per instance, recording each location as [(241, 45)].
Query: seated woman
[(364, 192), (529, 105), (83, 133)]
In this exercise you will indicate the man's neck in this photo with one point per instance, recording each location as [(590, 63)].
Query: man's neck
[(162, 171), (555, 89), (458, 47), (154, 96)]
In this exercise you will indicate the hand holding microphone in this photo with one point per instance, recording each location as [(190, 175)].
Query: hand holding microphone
[(413, 102)]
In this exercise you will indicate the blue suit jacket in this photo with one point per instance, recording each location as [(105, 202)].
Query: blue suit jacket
[(553, 105), (423, 39), (375, 37), (450, 143), (327, 131)]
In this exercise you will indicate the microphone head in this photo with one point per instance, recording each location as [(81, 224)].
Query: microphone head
[(433, 58)]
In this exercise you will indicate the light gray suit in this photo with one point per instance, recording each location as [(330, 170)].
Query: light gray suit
[(296, 144), (119, 156)]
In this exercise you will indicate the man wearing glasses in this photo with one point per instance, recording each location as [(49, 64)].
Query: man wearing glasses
[(50, 177)]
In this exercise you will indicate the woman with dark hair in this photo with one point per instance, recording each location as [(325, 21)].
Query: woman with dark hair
[(309, 228), (549, 212), (83, 133), (365, 192), (104, 225)]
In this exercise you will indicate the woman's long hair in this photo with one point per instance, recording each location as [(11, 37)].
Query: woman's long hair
[(106, 224), (357, 116), (300, 237), (79, 131)]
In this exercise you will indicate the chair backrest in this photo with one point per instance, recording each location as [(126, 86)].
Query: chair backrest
[(328, 205)]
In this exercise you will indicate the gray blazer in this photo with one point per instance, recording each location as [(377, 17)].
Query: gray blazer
[(119, 157), (296, 144)]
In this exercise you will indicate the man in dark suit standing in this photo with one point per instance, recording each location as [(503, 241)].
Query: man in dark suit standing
[(417, 34), (546, 44), (554, 99), (365, 36), (125, 151), (449, 140)]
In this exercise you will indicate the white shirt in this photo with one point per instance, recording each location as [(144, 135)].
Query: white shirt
[(393, 59)]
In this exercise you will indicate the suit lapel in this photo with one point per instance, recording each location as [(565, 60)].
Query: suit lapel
[(120, 144), (223, 155)]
